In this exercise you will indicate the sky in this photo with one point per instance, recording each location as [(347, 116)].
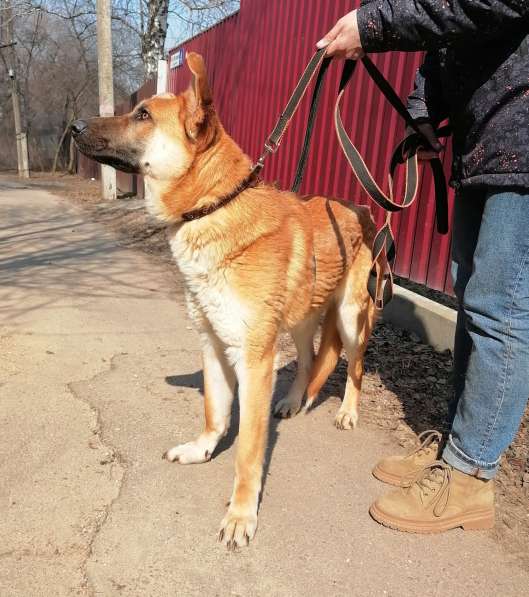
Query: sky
[(179, 31)]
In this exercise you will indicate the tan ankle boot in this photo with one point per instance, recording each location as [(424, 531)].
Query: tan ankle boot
[(440, 498), (396, 470)]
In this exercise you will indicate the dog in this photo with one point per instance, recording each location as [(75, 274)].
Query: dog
[(255, 261)]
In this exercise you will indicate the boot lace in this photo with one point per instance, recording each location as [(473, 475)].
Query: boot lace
[(425, 440), (433, 482)]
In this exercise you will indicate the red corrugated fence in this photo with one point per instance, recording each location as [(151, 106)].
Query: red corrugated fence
[(254, 60)]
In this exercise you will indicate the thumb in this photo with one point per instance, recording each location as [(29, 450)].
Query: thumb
[(429, 133), (330, 36)]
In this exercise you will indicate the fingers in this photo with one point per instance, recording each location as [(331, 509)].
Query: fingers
[(355, 54), (426, 155), (330, 36), (343, 40), (336, 48), (432, 139), (341, 48), (428, 132)]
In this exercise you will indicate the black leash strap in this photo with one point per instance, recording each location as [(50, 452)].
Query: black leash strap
[(274, 139), (412, 143), (380, 283), (316, 95)]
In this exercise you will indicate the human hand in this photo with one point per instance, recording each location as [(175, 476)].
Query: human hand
[(426, 153), (343, 40)]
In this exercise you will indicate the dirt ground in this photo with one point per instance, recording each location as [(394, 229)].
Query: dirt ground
[(407, 384)]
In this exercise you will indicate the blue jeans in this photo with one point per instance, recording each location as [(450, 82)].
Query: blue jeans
[(490, 270)]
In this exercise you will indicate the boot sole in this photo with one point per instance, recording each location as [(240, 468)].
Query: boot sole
[(478, 520), (388, 478)]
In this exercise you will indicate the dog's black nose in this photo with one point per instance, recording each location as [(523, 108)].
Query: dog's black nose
[(78, 127)]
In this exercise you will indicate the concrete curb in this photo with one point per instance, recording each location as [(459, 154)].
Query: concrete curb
[(435, 324)]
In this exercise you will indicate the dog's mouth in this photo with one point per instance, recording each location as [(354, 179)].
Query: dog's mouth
[(117, 162), (101, 150)]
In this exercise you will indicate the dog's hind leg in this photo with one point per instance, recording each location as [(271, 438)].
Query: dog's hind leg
[(328, 354), (219, 385), (355, 322), (303, 336)]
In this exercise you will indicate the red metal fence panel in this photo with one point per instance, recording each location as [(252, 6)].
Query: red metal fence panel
[(254, 59)]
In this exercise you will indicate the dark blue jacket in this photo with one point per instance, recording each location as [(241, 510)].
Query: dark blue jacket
[(476, 73)]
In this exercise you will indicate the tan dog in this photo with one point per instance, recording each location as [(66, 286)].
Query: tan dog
[(265, 261)]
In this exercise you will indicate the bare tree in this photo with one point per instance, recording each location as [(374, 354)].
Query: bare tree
[(189, 17), (154, 35), (58, 79), (16, 9), (149, 20), (57, 63)]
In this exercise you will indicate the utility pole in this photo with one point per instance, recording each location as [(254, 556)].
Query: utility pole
[(161, 77), (22, 140), (106, 84)]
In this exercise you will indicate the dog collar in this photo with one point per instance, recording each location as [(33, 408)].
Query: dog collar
[(250, 181)]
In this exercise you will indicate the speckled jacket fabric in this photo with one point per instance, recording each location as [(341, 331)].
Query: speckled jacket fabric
[(476, 72)]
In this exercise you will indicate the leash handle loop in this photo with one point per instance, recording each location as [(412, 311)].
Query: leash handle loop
[(380, 281)]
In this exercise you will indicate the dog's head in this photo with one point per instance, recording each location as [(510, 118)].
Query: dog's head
[(161, 137)]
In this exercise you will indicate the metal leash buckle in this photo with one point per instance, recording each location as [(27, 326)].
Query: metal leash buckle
[(268, 149), (259, 165), (272, 148)]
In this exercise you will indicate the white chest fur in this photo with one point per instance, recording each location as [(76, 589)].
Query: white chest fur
[(154, 190), (210, 296)]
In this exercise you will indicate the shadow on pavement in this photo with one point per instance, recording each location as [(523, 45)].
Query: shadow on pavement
[(53, 248)]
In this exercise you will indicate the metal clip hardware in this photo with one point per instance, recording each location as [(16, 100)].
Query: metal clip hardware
[(259, 165), (270, 147)]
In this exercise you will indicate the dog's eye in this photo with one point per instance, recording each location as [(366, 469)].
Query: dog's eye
[(142, 114)]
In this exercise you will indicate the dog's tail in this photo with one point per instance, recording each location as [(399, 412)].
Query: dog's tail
[(328, 354)]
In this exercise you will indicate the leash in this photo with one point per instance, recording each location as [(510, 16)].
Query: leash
[(380, 283)]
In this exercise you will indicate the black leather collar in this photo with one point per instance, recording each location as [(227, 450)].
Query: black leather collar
[(250, 181)]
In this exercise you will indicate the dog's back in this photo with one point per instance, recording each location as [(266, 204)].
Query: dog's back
[(342, 235)]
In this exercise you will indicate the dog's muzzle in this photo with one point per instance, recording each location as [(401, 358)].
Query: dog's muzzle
[(78, 127)]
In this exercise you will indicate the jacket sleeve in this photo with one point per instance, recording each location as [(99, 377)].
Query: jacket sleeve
[(426, 100), (411, 25)]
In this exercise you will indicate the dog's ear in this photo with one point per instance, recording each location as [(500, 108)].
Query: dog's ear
[(200, 79), (201, 114)]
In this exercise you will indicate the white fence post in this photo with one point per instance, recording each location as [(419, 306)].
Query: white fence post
[(161, 82)]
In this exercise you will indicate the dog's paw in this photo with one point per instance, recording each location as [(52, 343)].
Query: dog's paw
[(190, 453), (237, 530), (345, 420), (286, 408)]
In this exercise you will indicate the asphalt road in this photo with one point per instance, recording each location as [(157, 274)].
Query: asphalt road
[(99, 374)]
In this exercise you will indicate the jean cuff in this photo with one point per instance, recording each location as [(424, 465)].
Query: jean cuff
[(455, 457)]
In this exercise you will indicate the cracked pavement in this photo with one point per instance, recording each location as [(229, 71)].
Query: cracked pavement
[(99, 374)]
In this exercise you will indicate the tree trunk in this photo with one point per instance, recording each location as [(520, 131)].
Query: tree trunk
[(153, 38), (72, 161), (59, 146)]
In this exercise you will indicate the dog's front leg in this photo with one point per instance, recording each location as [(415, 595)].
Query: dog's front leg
[(256, 379), (219, 386)]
